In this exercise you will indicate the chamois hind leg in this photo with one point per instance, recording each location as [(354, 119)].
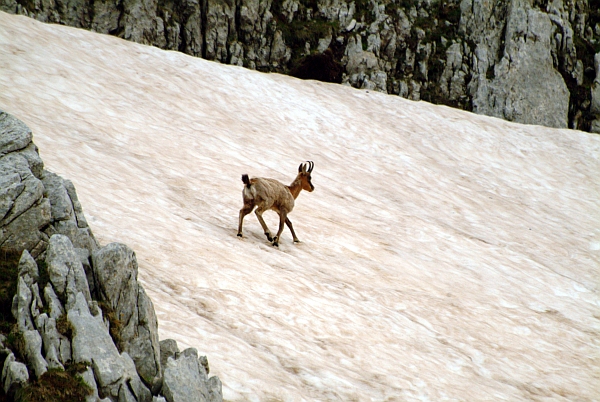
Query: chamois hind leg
[(246, 209), (259, 213), (282, 219), (289, 225)]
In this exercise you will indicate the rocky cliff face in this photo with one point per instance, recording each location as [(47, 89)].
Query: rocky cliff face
[(78, 303), (529, 61)]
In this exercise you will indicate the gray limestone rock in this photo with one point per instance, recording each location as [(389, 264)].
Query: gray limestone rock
[(133, 382), (53, 341), (66, 271), (595, 105), (72, 193), (56, 308), (88, 378), (14, 375), (36, 165), (23, 209), (21, 308), (53, 360), (67, 214), (92, 344), (36, 301), (62, 207), (115, 374), (140, 22), (28, 269), (168, 349), (33, 352), (144, 346), (116, 271), (215, 389), (526, 88), (10, 188), (14, 134), (220, 19), (185, 379), (452, 82), (85, 258), (24, 232), (28, 190)]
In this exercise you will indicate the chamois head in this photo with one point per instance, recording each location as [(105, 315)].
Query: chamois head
[(304, 171)]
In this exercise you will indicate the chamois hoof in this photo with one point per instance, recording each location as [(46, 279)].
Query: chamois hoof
[(297, 241), (240, 235), (269, 238), (275, 242)]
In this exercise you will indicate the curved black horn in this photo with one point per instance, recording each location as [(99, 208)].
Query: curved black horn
[(312, 165)]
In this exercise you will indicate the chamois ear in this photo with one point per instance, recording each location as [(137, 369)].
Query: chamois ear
[(301, 168)]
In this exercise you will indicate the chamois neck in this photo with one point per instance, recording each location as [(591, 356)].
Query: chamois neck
[(295, 187)]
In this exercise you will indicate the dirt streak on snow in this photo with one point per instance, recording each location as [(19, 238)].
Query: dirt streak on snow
[(444, 255)]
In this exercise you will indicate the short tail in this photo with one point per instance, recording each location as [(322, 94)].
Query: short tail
[(246, 180)]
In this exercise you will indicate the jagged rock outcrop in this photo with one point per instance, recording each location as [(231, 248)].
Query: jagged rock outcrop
[(115, 268), (14, 375), (524, 85), (186, 380), (92, 311), (528, 61)]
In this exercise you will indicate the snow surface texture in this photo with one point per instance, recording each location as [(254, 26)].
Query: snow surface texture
[(444, 255)]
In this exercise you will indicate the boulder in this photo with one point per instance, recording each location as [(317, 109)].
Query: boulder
[(215, 389), (27, 189), (185, 379), (133, 382), (28, 269), (33, 352), (24, 232), (24, 212), (66, 271), (168, 348), (115, 374), (21, 307), (15, 135), (56, 308), (53, 341), (36, 165), (62, 207), (115, 269), (14, 375)]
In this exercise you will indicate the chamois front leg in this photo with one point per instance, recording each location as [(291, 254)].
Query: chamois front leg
[(289, 224), (259, 213), (247, 208), (282, 219)]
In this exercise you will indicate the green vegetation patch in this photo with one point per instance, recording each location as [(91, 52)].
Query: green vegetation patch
[(64, 326), (57, 385)]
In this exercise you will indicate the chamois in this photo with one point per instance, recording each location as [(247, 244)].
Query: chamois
[(271, 194)]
